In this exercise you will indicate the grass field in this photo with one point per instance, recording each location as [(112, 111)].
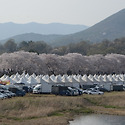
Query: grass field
[(58, 110)]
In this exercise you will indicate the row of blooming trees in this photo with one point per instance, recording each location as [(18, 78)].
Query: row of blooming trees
[(72, 63)]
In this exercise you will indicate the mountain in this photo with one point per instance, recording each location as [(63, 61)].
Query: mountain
[(110, 28), (33, 37), (10, 29)]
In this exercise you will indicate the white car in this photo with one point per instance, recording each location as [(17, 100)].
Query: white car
[(74, 91), (2, 96), (88, 90), (95, 92)]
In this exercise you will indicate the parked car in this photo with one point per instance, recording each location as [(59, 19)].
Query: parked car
[(95, 92), (103, 90), (3, 96), (20, 93), (87, 90), (17, 91), (80, 91), (11, 93), (74, 91), (65, 92), (30, 89), (25, 88), (5, 92)]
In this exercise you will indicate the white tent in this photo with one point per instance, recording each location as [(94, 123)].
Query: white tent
[(86, 80), (65, 80), (93, 79), (8, 79), (111, 79), (99, 79), (49, 80), (52, 77), (22, 80), (74, 82), (57, 79), (105, 79), (80, 80), (32, 80), (27, 75), (16, 78), (122, 78), (24, 77), (3, 77), (33, 75), (45, 77)]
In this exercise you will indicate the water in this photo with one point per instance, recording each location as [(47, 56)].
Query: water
[(99, 120)]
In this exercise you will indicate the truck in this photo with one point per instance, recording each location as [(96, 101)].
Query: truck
[(118, 88), (108, 87), (42, 88), (88, 86), (64, 90)]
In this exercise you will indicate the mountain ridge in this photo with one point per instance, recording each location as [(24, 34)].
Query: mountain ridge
[(110, 28), (10, 29)]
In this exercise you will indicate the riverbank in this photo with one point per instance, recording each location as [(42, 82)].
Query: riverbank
[(58, 110)]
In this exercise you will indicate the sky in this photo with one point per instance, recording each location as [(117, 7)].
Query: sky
[(85, 12)]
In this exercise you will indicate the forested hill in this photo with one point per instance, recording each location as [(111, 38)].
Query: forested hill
[(49, 39), (110, 28), (11, 29), (84, 47)]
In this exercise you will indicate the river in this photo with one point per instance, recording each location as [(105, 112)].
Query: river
[(99, 120)]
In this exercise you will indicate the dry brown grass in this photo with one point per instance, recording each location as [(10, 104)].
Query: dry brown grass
[(31, 108), (57, 110), (116, 99)]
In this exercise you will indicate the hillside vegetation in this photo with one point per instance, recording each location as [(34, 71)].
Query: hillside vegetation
[(55, 34), (106, 57), (110, 28), (84, 47)]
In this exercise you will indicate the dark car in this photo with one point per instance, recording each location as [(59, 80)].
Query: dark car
[(65, 92), (20, 93), (103, 90), (25, 88), (79, 90), (17, 91)]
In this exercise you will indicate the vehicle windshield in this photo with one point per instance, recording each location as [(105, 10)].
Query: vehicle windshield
[(36, 88), (70, 88)]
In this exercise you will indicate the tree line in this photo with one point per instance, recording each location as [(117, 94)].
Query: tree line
[(83, 47), (30, 46), (72, 63)]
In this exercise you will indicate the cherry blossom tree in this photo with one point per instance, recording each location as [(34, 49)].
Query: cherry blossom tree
[(72, 63)]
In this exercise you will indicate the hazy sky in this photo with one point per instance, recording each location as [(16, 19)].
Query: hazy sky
[(87, 12)]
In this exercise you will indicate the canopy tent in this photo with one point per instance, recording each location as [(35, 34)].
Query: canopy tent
[(71, 80), (86, 80), (9, 80), (31, 80), (22, 80)]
